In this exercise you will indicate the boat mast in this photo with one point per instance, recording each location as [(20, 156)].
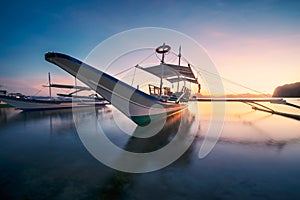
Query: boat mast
[(75, 82), (179, 55), (162, 71), (179, 59), (163, 53), (162, 50), (49, 82), (161, 80)]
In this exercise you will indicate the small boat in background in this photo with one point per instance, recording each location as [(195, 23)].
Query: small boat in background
[(62, 101)]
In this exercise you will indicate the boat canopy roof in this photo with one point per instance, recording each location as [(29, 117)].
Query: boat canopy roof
[(172, 73)]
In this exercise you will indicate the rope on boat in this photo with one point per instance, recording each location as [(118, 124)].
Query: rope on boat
[(37, 92), (133, 76), (125, 70), (223, 78), (129, 68), (146, 58)]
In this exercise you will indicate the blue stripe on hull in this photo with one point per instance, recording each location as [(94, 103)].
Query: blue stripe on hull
[(144, 120)]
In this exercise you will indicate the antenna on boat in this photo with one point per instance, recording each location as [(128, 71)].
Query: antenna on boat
[(179, 55), (49, 82)]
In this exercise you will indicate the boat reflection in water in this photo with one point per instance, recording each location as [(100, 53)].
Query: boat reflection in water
[(148, 139), (118, 183)]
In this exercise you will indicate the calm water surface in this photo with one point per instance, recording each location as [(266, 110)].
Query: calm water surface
[(256, 157)]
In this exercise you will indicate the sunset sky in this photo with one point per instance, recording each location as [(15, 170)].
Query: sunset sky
[(256, 43)]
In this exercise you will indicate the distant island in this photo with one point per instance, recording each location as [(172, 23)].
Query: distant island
[(288, 90)]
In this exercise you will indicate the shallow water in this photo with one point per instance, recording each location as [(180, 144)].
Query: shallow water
[(256, 157)]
